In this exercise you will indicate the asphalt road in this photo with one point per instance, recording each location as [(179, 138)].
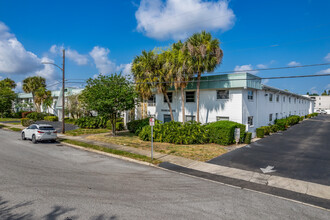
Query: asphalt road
[(49, 181), (302, 152)]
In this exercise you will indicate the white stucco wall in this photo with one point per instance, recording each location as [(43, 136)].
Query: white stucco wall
[(210, 107)]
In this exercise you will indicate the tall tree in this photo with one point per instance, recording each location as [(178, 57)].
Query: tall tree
[(42, 95), (32, 84), (206, 54), (324, 93), (7, 96), (181, 70), (109, 96), (8, 83), (143, 68)]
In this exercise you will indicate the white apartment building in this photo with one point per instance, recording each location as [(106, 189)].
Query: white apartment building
[(321, 102), (238, 97)]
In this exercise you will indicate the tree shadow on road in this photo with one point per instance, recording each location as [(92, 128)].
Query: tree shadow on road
[(9, 212)]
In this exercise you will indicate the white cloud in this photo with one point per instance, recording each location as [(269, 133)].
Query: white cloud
[(243, 68), (104, 65), (177, 19), (18, 87), (101, 60), (262, 66), (14, 59), (71, 54), (294, 63), (326, 71), (49, 71), (327, 57)]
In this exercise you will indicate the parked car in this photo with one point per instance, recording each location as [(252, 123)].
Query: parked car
[(323, 112), (39, 132)]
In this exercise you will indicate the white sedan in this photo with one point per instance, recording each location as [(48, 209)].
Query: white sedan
[(39, 132)]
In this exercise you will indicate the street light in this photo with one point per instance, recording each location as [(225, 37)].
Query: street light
[(63, 87)]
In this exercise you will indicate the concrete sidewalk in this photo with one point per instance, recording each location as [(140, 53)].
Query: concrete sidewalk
[(303, 187)]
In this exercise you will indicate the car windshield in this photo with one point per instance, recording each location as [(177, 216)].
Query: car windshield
[(46, 128)]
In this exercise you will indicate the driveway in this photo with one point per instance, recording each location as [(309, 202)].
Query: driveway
[(53, 181), (302, 152)]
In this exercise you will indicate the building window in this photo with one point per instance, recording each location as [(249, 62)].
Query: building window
[(190, 96), (295, 100), (277, 98), (270, 97), (250, 120), (167, 118), (152, 101), (289, 99), (190, 118), (250, 95), (270, 117), (170, 97), (222, 94), (276, 116), (320, 103), (283, 98), (221, 118)]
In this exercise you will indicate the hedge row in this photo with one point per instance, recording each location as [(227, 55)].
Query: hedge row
[(281, 124), (137, 125), (51, 118), (221, 132), (98, 122)]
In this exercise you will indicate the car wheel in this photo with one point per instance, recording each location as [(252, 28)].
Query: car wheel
[(34, 140), (23, 136)]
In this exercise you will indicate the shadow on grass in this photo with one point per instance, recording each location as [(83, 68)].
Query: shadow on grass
[(9, 212)]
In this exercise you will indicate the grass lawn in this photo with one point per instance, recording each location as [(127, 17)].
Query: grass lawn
[(81, 131), (15, 129), (112, 151), (14, 123), (10, 119), (201, 152)]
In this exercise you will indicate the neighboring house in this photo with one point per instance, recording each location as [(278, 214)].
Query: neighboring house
[(25, 101), (238, 97), (321, 102)]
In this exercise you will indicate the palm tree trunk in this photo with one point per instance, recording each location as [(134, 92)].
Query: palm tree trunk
[(198, 85), (182, 105), (169, 105)]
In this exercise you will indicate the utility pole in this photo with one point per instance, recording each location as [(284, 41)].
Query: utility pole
[(63, 92)]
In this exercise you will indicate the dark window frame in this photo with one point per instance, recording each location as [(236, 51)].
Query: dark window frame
[(222, 96), (190, 100)]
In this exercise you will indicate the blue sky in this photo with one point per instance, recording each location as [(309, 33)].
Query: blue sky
[(104, 36)]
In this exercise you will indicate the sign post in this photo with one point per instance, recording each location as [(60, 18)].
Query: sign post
[(237, 134), (152, 123)]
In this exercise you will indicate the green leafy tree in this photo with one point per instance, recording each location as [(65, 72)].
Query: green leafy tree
[(32, 84), (7, 96), (205, 54), (74, 106), (324, 93), (109, 96)]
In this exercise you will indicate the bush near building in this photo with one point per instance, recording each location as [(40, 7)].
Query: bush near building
[(248, 137), (99, 122), (36, 116), (137, 125), (24, 114), (27, 122), (260, 132), (221, 132), (51, 118)]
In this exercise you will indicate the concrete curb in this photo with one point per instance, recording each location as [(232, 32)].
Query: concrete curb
[(109, 154)]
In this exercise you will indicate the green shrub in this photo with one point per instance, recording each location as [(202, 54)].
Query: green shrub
[(223, 132), (27, 122), (247, 139), (267, 130), (120, 126), (36, 116), (176, 132), (24, 114), (260, 132), (314, 114), (18, 114), (69, 120), (274, 128), (92, 122), (282, 124), (302, 118), (137, 125), (51, 118)]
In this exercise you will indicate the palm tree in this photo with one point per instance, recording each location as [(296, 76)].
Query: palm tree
[(163, 78), (143, 68), (32, 84), (205, 55), (42, 95), (180, 70), (8, 83)]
